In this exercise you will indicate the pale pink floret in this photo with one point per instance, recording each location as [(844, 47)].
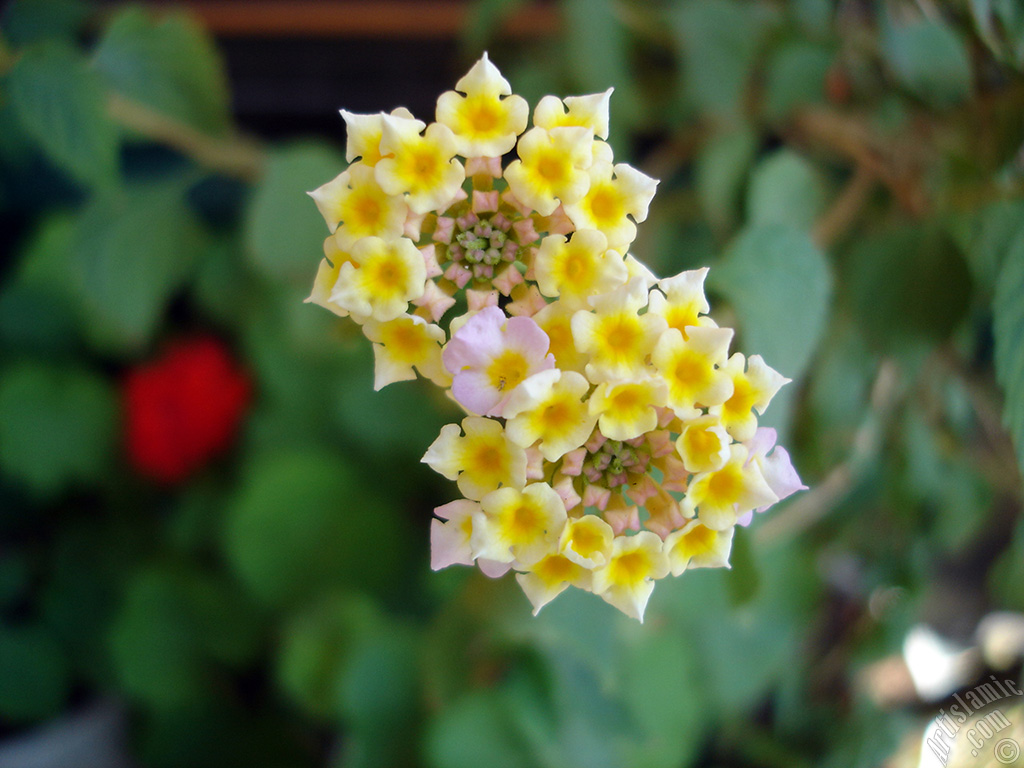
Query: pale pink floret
[(777, 468), (449, 540), (490, 355)]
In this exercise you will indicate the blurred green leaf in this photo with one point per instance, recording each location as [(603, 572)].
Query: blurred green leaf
[(155, 644), (57, 426), (1008, 328), (316, 642), (61, 104), (985, 235), (484, 20), (784, 189), (720, 40), (907, 285), (284, 232), (1001, 25), (38, 306), (780, 286), (378, 696), (303, 521), (929, 59), (34, 679), (593, 25), (135, 248), (796, 77), (815, 16), (721, 169), (168, 63), (1007, 573), (29, 21), (474, 731)]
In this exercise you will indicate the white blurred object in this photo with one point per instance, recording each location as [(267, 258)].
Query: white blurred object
[(938, 666), (93, 738), (1001, 639)]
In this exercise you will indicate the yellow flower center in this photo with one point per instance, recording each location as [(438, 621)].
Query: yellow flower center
[(365, 212), (507, 370), (482, 116), (551, 168), (701, 443), (742, 400), (386, 276), (524, 523), (725, 486), (629, 569), (691, 371), (621, 334), (697, 541), (487, 459), (586, 541), (605, 205)]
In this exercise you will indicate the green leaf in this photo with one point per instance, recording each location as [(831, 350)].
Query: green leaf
[(61, 104), (593, 25), (29, 21), (169, 63), (1008, 328), (476, 731), (784, 189), (134, 249), (929, 59), (721, 169), (57, 426), (39, 307), (303, 522), (1001, 25), (316, 643), (796, 78), (284, 233), (34, 674), (720, 40), (154, 643), (780, 287), (907, 285)]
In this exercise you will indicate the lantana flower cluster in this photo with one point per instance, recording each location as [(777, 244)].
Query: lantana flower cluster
[(611, 439)]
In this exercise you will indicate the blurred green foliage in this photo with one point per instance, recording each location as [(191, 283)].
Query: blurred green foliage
[(851, 172)]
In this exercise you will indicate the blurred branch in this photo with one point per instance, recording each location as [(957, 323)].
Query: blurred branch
[(234, 156), (897, 162), (846, 208), (811, 506)]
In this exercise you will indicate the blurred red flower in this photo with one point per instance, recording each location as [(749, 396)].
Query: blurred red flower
[(183, 409)]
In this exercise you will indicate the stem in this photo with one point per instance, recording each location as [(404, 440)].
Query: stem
[(236, 156)]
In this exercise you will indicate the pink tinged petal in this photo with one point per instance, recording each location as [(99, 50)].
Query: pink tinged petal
[(473, 391), (478, 300), (525, 231), (458, 274), (780, 475), (762, 442), (534, 464), (623, 519), (559, 223), (492, 568), (435, 301), (413, 226), (567, 492), (528, 305), (596, 496), (484, 166), (477, 342), (444, 230), (643, 490), (508, 279), (572, 462), (746, 518), (485, 202), (511, 200), (449, 545), (430, 261)]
